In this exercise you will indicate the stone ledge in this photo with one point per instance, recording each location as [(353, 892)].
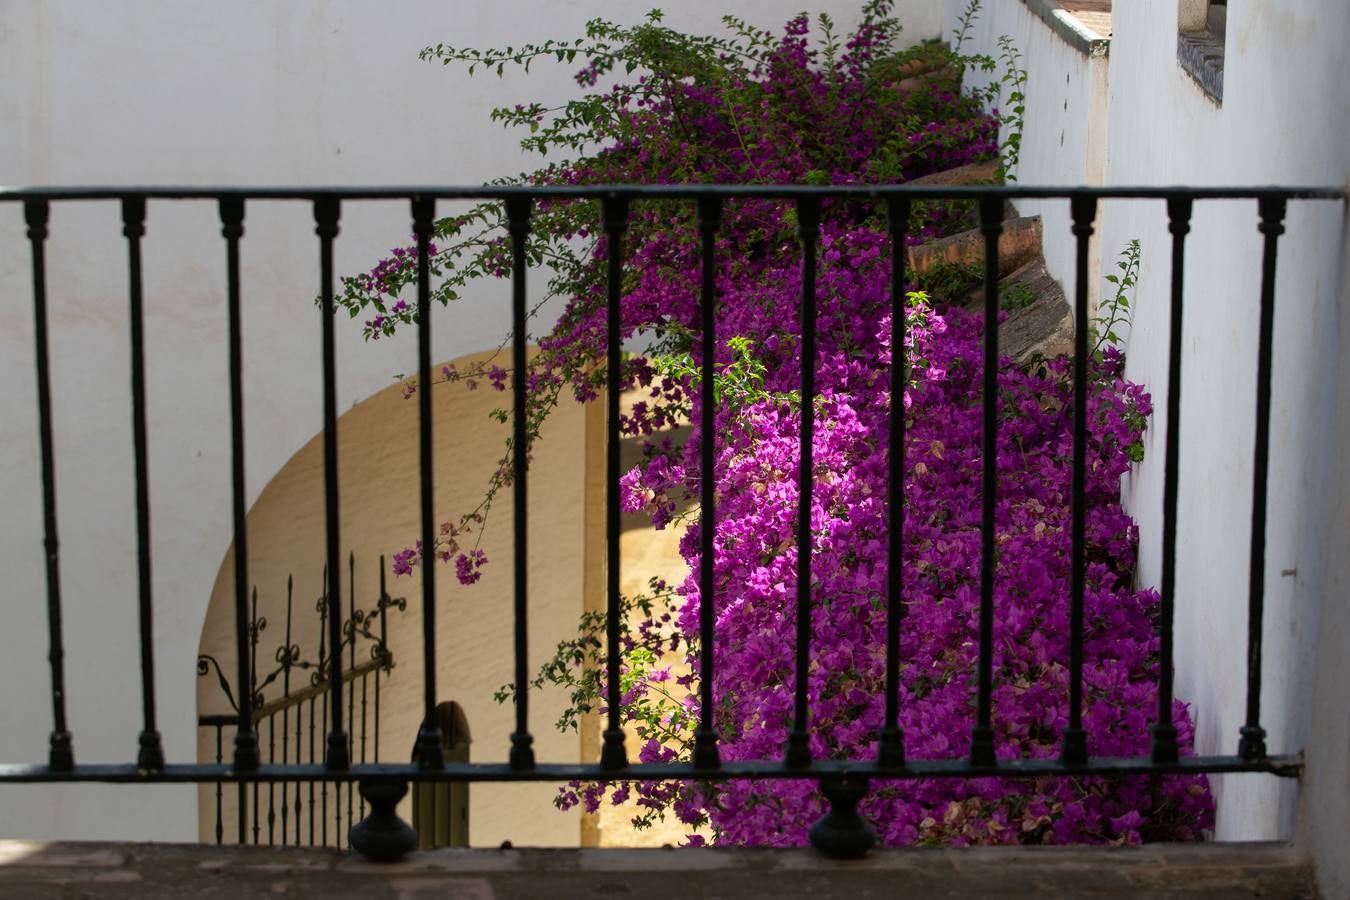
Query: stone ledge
[(156, 871), (1074, 32)]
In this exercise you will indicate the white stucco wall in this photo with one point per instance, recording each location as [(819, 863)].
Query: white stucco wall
[(250, 92), (1284, 118), (1286, 105), (1326, 798)]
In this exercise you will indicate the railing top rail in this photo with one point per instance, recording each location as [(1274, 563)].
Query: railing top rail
[(666, 191), (178, 773)]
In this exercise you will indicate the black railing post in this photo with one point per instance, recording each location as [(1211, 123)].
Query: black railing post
[(518, 220), (1074, 749), (982, 752), (246, 755), (429, 747), (706, 755), (326, 213), (382, 835), (1252, 744), (808, 231), (891, 743), (613, 755), (842, 833), (60, 752), (150, 755), (1164, 731)]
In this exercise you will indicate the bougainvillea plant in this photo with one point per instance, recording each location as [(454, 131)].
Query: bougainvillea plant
[(758, 107)]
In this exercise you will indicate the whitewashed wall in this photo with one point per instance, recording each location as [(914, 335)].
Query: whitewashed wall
[(1283, 120), (250, 92), (1326, 799), (1064, 130)]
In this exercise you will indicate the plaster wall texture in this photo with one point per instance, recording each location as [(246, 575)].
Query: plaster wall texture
[(1283, 120), (1286, 103), (1326, 799), (1064, 132), (161, 92), (1286, 106)]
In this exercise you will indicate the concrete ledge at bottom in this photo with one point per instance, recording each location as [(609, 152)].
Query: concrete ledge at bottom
[(155, 871)]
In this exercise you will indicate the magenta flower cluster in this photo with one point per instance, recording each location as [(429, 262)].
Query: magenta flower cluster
[(385, 278), (755, 579), (796, 114)]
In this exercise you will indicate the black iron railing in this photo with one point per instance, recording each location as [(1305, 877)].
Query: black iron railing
[(844, 781)]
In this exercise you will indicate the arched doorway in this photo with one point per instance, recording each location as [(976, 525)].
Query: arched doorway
[(378, 483)]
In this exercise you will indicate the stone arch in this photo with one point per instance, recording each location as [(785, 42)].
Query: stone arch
[(378, 484)]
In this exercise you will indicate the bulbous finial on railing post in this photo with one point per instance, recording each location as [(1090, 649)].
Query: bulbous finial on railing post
[(843, 834), (382, 836)]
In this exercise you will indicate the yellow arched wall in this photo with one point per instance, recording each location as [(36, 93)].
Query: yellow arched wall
[(378, 471)]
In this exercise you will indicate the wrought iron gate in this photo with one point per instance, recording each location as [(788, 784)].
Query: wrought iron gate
[(289, 706)]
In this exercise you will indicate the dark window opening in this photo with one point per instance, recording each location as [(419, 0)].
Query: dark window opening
[(1200, 43)]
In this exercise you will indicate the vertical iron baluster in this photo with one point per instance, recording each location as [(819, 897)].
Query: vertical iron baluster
[(220, 785), (61, 754), (246, 756), (255, 633), (982, 737), (242, 803), (350, 628), (326, 212), (310, 803), (808, 229), (1164, 732), (365, 680), (615, 213), (384, 648), (286, 710), (323, 785), (299, 733), (325, 675), (1252, 744), (430, 754), (891, 746), (705, 738), (518, 218), (271, 784), (321, 674), (1074, 750), (364, 689), (150, 755)]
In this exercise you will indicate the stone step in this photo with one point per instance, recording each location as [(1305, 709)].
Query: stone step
[(972, 173), (1018, 245), (1042, 328), (927, 63), (949, 75)]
